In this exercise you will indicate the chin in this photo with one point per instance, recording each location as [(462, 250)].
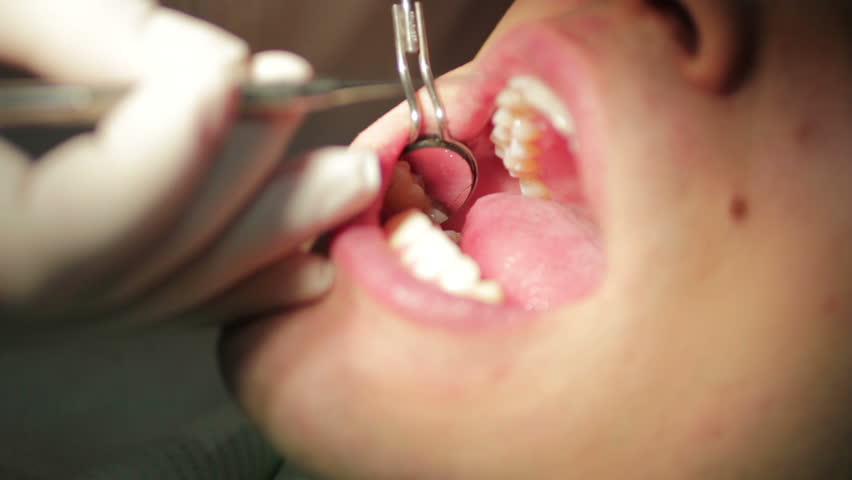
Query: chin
[(609, 305)]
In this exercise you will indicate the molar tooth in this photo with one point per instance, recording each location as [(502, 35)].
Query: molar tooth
[(534, 188), (521, 167), (431, 255), (430, 268), (513, 136), (509, 98), (563, 124), (501, 134), (537, 94), (487, 291), (524, 130), (460, 275), (503, 117), (438, 216), (406, 228), (520, 160), (520, 149)]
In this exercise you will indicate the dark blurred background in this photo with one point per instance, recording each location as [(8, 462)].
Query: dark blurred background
[(350, 39)]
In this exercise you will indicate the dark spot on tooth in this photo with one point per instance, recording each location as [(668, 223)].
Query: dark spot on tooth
[(739, 209)]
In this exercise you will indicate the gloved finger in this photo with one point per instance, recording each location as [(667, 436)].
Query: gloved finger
[(274, 66), (293, 281), (303, 199), (105, 41), (252, 151), (99, 198)]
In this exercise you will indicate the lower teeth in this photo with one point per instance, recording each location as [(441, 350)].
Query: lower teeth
[(429, 254)]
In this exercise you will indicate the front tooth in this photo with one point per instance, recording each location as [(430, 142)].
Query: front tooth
[(534, 188)]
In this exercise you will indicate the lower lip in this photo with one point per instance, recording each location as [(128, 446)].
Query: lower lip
[(363, 252)]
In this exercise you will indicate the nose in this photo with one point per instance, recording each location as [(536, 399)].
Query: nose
[(718, 39)]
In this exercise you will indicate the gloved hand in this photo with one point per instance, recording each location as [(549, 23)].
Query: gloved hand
[(167, 206)]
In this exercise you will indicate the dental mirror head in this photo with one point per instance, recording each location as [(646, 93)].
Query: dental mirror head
[(446, 170), (447, 167)]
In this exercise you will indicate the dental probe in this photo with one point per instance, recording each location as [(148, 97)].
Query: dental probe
[(32, 103), (410, 33)]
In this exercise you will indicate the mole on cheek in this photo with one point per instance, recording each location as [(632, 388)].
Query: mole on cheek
[(830, 305), (805, 132), (739, 209)]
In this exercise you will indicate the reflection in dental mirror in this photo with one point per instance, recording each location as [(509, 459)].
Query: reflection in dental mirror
[(434, 176)]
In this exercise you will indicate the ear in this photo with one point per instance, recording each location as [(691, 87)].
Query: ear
[(717, 37), (725, 46)]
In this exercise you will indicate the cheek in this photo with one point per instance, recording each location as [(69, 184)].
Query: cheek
[(721, 422), (348, 357), (674, 178)]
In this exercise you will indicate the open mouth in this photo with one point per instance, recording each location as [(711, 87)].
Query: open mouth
[(529, 239)]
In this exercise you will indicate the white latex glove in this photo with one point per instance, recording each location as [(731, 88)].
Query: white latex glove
[(166, 206)]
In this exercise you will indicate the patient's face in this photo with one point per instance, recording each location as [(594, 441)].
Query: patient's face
[(662, 249)]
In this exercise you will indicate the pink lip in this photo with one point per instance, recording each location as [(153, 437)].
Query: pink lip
[(361, 249)]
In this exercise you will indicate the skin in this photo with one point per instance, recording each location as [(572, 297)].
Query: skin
[(719, 344)]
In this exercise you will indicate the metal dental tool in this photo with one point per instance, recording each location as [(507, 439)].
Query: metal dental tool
[(32, 103), (411, 39)]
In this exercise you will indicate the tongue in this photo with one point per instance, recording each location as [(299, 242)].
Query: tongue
[(543, 253)]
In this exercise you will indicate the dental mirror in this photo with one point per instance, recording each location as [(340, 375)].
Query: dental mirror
[(447, 167), (446, 170)]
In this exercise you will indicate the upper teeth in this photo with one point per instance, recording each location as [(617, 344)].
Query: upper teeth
[(526, 91), (531, 187), (430, 255), (515, 130)]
